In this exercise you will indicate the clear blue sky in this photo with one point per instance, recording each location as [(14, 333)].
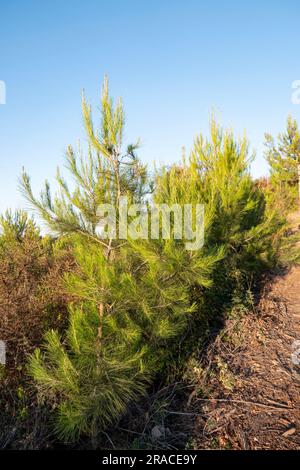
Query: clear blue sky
[(172, 61)]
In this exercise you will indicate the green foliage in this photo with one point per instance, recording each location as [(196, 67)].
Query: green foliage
[(92, 384), (217, 175), (289, 253), (136, 301), (133, 298), (102, 177), (15, 226), (283, 157), (237, 218)]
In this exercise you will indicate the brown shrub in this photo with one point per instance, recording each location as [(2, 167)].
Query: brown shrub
[(32, 295)]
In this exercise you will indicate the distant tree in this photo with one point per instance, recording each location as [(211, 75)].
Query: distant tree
[(284, 156), (16, 225)]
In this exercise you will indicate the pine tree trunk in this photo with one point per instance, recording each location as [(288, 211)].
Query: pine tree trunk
[(101, 310)]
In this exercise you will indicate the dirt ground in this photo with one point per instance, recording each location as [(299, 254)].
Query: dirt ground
[(254, 397), (252, 373)]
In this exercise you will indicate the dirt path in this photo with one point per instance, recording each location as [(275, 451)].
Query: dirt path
[(254, 389), (258, 375)]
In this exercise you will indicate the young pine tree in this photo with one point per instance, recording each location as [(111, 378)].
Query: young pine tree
[(133, 296), (284, 157), (217, 175)]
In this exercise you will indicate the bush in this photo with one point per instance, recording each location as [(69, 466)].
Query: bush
[(139, 302), (32, 299), (283, 157)]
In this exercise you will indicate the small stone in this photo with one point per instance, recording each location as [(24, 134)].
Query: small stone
[(157, 432)]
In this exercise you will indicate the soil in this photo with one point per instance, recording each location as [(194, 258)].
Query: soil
[(253, 373)]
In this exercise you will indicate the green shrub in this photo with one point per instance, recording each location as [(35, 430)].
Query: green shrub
[(137, 301), (283, 157)]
